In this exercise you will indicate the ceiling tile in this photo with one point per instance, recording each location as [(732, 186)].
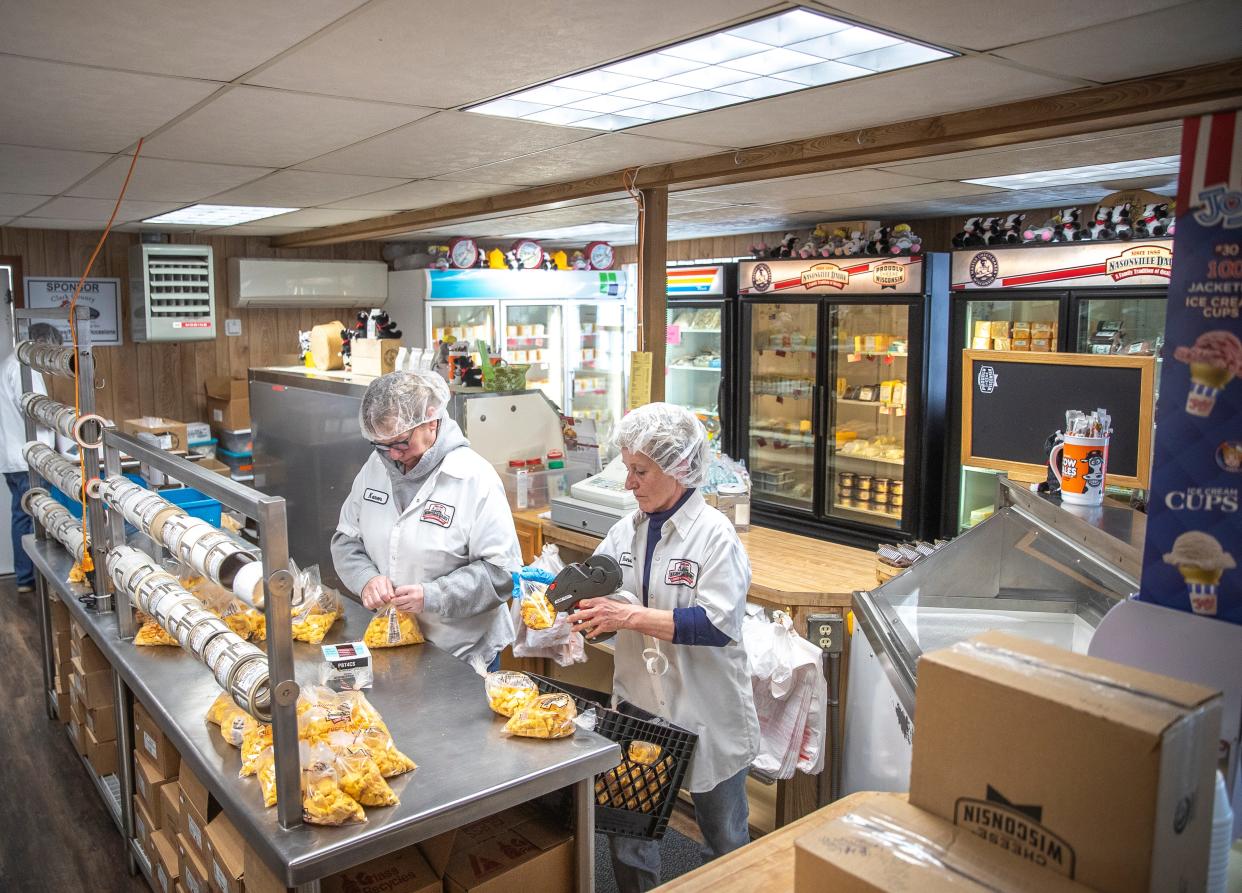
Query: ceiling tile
[(881, 197), (49, 223), (275, 128), (11, 204), (98, 210), (72, 107), (44, 171), (950, 85), (589, 157), (310, 217), (256, 229), (157, 180), (421, 194), (219, 41), (443, 143), (783, 189), (970, 25), (1191, 34), (404, 52), (302, 189)]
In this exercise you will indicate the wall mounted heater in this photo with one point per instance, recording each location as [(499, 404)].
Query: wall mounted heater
[(172, 293)]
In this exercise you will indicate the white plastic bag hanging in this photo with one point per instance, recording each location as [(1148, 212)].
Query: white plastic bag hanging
[(790, 695)]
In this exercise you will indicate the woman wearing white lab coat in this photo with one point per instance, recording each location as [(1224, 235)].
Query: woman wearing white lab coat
[(426, 526), (679, 652)]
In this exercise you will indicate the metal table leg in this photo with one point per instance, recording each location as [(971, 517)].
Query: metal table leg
[(125, 771), (584, 833), (49, 656)]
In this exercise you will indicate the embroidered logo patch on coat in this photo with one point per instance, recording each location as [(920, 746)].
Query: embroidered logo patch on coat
[(379, 497), (682, 572), (627, 559), (438, 513)]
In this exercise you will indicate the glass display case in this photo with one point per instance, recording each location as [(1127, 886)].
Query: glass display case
[(596, 359), (870, 392), (462, 321), (694, 361), (1128, 324), (782, 396), (534, 335)]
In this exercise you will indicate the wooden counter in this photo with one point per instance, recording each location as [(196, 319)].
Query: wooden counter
[(795, 574)]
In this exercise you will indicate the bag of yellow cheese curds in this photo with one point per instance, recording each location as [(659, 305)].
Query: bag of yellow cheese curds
[(547, 716), (316, 606), (254, 742), (360, 778), (537, 611), (323, 801), (152, 633), (390, 628), (234, 724), (508, 690), (379, 744), (218, 707)]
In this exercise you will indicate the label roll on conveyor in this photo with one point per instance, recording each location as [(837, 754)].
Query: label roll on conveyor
[(56, 520), (48, 358)]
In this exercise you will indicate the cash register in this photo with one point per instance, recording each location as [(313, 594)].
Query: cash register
[(597, 503)]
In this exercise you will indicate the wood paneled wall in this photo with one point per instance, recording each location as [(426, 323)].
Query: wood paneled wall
[(167, 379)]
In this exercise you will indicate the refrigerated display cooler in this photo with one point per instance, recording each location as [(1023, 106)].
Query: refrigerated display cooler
[(842, 391), (1034, 569), (1080, 297), (567, 326), (700, 354)]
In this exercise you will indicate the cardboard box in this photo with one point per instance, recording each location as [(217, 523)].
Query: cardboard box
[(94, 689), (77, 735), (404, 871), (60, 615), (144, 825), (76, 630), (170, 807), (1044, 344), (101, 754), (226, 855), (149, 739), (520, 848), (102, 722), (148, 782), (885, 845), (373, 356), (260, 878), (228, 403), (169, 434), (165, 862), (191, 867), (1001, 344), (89, 655), (195, 793), (77, 711), (193, 827), (214, 465), (998, 328), (1097, 771)]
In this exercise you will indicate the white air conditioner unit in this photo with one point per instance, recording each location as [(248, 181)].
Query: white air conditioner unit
[(172, 293), (261, 282)]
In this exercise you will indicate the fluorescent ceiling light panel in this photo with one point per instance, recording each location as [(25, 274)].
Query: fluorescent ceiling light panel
[(217, 215), (1116, 170), (792, 50)]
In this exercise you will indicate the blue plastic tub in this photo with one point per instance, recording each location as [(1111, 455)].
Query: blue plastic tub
[(70, 500), (193, 502)]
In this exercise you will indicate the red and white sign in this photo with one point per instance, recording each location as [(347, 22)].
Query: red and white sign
[(1079, 264), (192, 324), (899, 274)]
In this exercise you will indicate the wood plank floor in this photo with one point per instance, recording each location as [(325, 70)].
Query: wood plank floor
[(56, 835)]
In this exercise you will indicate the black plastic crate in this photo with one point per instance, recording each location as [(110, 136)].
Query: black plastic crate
[(633, 799)]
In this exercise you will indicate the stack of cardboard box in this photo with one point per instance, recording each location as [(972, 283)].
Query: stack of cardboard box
[(1035, 769), (62, 657), (228, 413), (92, 723), (226, 856), (157, 801), (195, 809)]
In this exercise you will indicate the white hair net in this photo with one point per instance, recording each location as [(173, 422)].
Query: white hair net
[(670, 436), (400, 401)]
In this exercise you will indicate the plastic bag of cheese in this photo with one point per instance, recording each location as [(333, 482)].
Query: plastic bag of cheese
[(508, 690), (390, 628), (547, 716)]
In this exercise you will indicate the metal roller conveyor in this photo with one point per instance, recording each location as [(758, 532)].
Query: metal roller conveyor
[(208, 550), (64, 474), (49, 358), (56, 520), (49, 413), (145, 509), (240, 668)]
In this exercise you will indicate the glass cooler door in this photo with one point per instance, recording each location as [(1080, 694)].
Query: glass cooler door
[(783, 344), (534, 336), (1124, 324), (463, 321), (866, 474), (694, 361), (595, 342)]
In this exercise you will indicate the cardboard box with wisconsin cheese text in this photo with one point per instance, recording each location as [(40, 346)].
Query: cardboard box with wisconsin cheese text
[(1096, 771)]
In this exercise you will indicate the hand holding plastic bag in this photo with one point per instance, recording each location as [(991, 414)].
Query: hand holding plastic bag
[(391, 628)]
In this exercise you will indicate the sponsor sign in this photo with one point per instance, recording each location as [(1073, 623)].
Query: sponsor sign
[(100, 299)]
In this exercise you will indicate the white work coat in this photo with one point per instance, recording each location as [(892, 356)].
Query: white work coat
[(706, 690), (12, 420), (459, 515)]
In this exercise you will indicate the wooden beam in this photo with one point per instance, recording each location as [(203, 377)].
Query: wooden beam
[(653, 282), (1127, 103)]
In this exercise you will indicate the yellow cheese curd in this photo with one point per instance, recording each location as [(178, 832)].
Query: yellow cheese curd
[(391, 628), (361, 778), (323, 801), (313, 627), (379, 744), (507, 691), (258, 624), (537, 611), (547, 716), (254, 742), (644, 752), (151, 633)]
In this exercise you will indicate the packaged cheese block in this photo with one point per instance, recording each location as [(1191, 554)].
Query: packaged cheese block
[(151, 633), (507, 691), (325, 346), (537, 611), (360, 778), (547, 716), (390, 628)]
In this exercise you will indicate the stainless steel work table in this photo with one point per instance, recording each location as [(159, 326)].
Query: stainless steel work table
[(435, 707)]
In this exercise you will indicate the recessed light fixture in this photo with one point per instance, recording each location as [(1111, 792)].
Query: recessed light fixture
[(1088, 173), (217, 215), (778, 54)]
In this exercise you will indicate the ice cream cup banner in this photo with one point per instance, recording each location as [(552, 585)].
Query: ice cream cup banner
[(1199, 558), (1080, 465), (1214, 360)]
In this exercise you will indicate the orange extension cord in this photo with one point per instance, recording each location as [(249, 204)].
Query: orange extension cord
[(87, 564)]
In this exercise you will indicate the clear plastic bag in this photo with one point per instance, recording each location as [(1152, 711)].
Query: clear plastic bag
[(547, 716), (507, 691), (219, 707), (391, 628), (265, 771), (361, 778), (644, 752), (317, 606), (537, 612), (379, 744), (151, 633), (234, 724), (254, 742), (323, 801)]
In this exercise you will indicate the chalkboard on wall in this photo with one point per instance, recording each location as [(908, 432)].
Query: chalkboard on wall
[(1013, 400)]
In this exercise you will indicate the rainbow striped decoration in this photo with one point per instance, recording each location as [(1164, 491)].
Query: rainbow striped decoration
[(696, 281)]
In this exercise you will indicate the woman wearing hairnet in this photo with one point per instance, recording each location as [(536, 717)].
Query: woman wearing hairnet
[(679, 653), (426, 526)]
